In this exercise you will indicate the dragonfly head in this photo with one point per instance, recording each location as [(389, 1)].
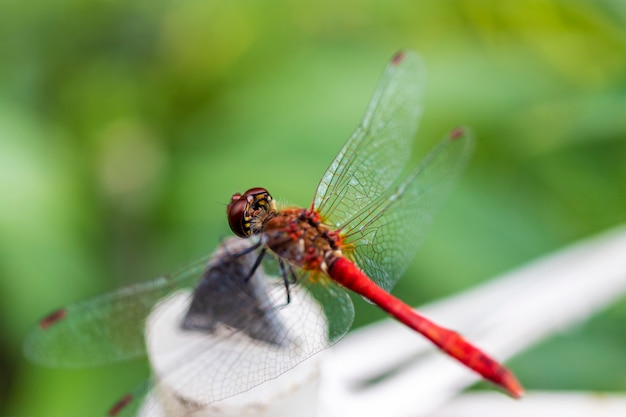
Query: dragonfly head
[(247, 212)]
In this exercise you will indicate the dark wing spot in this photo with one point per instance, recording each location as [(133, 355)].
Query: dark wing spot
[(398, 58), (457, 133), (52, 318), (119, 406)]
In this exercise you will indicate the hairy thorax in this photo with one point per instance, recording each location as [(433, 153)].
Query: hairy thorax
[(299, 236)]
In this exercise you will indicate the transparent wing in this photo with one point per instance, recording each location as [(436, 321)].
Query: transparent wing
[(106, 328), (385, 234), (378, 151)]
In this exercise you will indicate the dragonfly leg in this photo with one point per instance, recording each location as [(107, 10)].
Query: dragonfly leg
[(256, 264), (243, 252), (286, 275), (293, 278), (289, 278), (235, 255)]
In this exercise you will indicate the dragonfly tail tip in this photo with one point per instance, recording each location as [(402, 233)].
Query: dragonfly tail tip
[(512, 386)]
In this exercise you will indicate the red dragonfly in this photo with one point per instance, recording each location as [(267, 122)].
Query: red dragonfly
[(368, 217)]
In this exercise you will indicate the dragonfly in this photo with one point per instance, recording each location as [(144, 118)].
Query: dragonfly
[(369, 214)]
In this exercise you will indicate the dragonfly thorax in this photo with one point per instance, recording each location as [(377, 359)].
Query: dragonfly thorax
[(298, 236)]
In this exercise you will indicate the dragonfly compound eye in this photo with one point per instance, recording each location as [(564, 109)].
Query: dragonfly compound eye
[(244, 208)]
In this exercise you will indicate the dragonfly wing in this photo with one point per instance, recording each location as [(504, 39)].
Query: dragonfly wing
[(106, 328), (379, 149), (386, 233)]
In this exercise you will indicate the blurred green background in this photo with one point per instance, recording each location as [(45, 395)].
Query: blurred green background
[(126, 126)]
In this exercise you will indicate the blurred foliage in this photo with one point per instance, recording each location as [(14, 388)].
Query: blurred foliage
[(125, 127)]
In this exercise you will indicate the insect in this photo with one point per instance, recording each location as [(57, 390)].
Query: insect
[(368, 215)]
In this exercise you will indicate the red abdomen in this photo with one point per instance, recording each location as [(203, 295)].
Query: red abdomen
[(350, 276)]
